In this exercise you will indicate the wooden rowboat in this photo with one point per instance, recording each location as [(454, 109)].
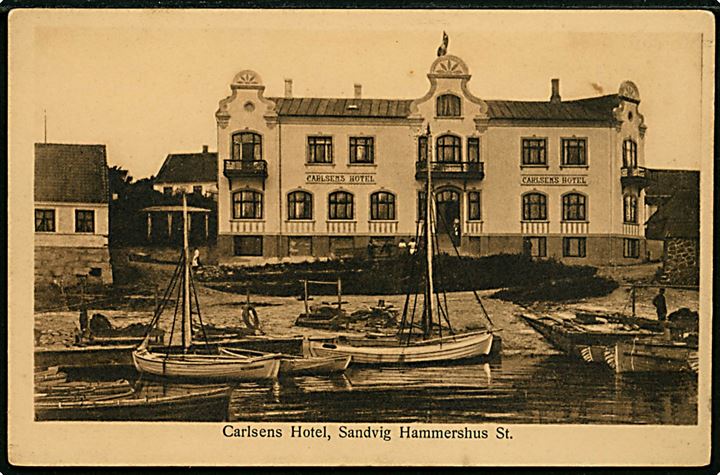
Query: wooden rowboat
[(291, 365), (217, 367), (640, 356), (445, 349), (198, 404)]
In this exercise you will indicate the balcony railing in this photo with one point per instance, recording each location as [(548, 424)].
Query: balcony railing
[(246, 168), (465, 170), (633, 176)]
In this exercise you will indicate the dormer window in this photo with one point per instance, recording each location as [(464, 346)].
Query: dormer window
[(448, 105)]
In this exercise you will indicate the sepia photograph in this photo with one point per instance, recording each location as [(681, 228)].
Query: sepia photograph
[(326, 237)]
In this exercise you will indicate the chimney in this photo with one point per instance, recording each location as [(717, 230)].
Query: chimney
[(288, 88), (555, 97), (205, 149), (358, 91)]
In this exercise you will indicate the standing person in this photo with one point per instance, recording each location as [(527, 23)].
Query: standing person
[(196, 259), (660, 305)]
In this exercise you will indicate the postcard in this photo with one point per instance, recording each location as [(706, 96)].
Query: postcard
[(389, 238)]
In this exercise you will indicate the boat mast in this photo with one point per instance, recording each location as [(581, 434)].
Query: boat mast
[(186, 321), (427, 318)]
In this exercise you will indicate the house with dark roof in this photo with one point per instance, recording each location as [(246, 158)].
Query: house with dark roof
[(189, 172), (71, 213), (329, 177), (673, 198)]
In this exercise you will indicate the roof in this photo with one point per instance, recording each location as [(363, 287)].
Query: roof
[(188, 168), (679, 217), (663, 183), (173, 208), (327, 107), (71, 173), (592, 109)]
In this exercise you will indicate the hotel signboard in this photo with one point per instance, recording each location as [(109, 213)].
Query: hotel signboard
[(554, 180), (340, 179)]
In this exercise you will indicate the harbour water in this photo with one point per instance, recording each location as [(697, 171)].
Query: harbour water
[(551, 389)]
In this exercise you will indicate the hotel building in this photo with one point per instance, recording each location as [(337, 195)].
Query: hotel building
[(334, 177)]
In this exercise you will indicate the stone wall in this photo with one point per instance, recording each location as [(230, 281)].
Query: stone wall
[(680, 261), (66, 263)]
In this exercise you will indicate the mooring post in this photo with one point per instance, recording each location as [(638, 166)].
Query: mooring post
[(632, 298)]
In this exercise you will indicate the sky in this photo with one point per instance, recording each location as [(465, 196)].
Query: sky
[(148, 83)]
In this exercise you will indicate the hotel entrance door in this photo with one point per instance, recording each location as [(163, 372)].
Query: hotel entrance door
[(448, 219)]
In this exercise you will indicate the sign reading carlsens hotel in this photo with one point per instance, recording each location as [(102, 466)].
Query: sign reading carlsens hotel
[(343, 178), (554, 180)]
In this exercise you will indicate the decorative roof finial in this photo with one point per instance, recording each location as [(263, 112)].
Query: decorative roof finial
[(442, 50)]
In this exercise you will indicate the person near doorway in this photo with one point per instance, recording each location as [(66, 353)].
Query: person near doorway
[(660, 305)]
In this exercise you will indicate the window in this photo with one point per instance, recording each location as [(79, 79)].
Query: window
[(362, 150), (84, 221), (422, 148), (630, 209), (340, 205), (45, 220), (574, 247), (535, 246), (248, 245), (167, 190), (448, 105), (247, 146), (534, 152), (631, 248), (197, 189), (247, 204), (299, 246), (300, 205), (320, 150), (574, 152), (473, 150), (629, 154), (474, 213), (534, 207), (573, 207), (382, 206), (421, 211), (448, 149)]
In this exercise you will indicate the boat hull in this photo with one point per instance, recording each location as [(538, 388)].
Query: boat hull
[(296, 365), (206, 367), (453, 348), (644, 356), (203, 405)]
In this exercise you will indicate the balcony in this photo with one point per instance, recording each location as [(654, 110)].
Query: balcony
[(245, 169), (462, 170), (633, 176)]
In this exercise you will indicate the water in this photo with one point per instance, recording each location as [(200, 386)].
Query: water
[(550, 389), (543, 390)]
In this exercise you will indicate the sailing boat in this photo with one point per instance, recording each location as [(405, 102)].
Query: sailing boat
[(405, 349), (184, 360)]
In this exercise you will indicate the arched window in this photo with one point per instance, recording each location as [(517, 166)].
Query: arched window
[(630, 209), (574, 207), (300, 205), (448, 105), (629, 154), (247, 204), (247, 146), (382, 206), (340, 205), (448, 149), (534, 207)]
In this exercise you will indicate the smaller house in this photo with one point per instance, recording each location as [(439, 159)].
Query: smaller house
[(190, 172), (71, 213), (675, 195)]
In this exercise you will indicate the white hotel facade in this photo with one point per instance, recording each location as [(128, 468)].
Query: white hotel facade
[(322, 177)]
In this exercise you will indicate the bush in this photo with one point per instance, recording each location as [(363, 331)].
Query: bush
[(396, 275)]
